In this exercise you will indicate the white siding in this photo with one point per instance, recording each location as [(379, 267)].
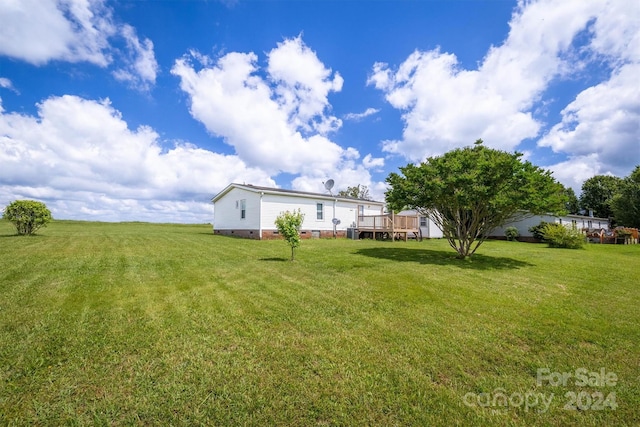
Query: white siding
[(585, 222), (263, 205), (345, 211), (579, 221), (432, 230), (349, 212), (226, 215), (523, 225), (274, 204)]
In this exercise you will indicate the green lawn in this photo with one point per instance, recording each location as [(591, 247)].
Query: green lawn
[(134, 323)]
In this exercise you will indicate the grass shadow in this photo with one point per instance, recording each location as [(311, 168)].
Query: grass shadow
[(274, 259), (31, 236), (432, 257)]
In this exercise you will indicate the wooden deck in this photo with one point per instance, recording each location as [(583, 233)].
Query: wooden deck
[(389, 226)]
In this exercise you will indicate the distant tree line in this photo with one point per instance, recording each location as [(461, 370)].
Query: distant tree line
[(357, 192), (611, 197)]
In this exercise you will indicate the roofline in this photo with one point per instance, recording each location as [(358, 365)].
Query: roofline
[(294, 193), (567, 216), (585, 217)]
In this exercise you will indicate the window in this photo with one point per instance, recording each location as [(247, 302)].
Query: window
[(319, 211), (423, 221), (360, 211), (243, 209)]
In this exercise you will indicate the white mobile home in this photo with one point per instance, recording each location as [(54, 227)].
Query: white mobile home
[(523, 225), (250, 211)]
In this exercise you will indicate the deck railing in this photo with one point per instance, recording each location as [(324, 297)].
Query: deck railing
[(375, 222), (406, 222), (388, 222)]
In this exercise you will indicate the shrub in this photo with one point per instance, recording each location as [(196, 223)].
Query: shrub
[(512, 233), (621, 232), (27, 216), (538, 230), (559, 236)]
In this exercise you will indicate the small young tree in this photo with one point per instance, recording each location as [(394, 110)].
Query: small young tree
[(27, 216), (288, 225)]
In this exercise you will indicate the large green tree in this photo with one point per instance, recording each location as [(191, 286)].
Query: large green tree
[(597, 193), (468, 192), (572, 204), (626, 203), (27, 216)]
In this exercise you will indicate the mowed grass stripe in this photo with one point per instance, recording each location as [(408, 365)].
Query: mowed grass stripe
[(140, 323)]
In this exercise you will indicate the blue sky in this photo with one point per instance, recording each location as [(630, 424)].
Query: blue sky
[(134, 110)]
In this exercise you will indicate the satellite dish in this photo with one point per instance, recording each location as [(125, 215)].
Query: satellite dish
[(329, 185)]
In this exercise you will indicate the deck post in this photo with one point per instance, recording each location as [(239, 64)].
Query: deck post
[(374, 228), (393, 227)]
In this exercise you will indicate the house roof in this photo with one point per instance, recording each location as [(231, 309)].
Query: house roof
[(270, 190), (524, 214), (585, 217)]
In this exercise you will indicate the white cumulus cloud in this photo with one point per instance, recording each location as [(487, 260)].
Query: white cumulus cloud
[(350, 172), (359, 116), (140, 66), (40, 31), (81, 157), (446, 106), (6, 83), (603, 124), (371, 162), (600, 128), (278, 118)]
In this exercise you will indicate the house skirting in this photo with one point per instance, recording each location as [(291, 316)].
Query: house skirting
[(246, 234), (273, 234)]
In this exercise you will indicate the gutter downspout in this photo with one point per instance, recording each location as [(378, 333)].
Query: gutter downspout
[(334, 215), (260, 216)]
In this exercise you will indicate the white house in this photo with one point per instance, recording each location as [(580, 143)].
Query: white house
[(523, 225), (429, 229), (250, 211)]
